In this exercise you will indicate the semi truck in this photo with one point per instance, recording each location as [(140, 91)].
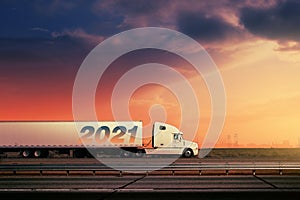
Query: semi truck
[(36, 139)]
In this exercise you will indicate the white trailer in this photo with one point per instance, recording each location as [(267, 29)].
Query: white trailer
[(86, 139)]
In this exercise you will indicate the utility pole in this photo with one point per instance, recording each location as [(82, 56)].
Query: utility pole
[(236, 139)]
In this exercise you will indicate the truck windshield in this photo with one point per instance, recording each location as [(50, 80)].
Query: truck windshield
[(180, 137), (177, 136)]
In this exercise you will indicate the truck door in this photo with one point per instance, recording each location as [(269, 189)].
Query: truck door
[(161, 135)]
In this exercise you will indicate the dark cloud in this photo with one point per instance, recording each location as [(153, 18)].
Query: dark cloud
[(279, 22), (139, 7), (204, 28), (39, 58), (138, 13), (18, 18)]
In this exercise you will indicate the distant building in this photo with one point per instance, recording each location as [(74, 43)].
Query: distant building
[(284, 144)]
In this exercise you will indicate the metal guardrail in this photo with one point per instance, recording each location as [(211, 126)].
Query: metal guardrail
[(226, 167)]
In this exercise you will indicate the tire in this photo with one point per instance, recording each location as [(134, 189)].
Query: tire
[(139, 154), (26, 153), (38, 153), (126, 154), (188, 153), (79, 154)]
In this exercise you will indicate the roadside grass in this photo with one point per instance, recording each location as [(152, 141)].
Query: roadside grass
[(255, 153)]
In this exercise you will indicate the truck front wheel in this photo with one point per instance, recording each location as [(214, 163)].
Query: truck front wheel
[(188, 153)]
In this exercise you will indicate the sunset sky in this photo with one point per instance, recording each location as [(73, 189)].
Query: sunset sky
[(255, 45)]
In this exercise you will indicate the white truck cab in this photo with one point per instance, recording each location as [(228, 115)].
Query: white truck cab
[(167, 139)]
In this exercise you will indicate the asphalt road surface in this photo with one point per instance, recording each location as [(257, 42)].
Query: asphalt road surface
[(150, 187)]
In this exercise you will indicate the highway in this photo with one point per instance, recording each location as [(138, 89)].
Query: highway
[(114, 187), (213, 183)]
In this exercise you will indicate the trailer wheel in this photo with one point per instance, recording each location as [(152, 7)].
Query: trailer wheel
[(126, 154), (39, 153), (79, 154), (139, 154), (26, 153), (188, 153)]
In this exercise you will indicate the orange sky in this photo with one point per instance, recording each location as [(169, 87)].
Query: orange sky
[(263, 94), (262, 88)]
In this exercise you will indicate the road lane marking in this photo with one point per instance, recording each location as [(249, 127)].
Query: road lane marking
[(267, 182)]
